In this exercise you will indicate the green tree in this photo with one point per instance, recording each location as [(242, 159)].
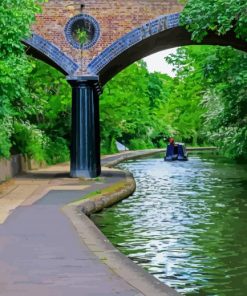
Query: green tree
[(129, 109), (224, 71), (183, 109), (215, 78), (221, 16), (125, 107), (16, 16), (49, 111), (226, 101)]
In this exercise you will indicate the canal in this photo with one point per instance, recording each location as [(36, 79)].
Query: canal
[(186, 223)]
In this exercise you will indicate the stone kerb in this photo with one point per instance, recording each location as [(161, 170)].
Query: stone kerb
[(145, 31), (102, 201)]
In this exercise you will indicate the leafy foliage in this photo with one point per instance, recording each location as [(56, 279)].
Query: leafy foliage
[(16, 17), (183, 107), (33, 97), (125, 107), (205, 103), (226, 76), (134, 109), (224, 71), (219, 77), (81, 36), (41, 122), (221, 16)]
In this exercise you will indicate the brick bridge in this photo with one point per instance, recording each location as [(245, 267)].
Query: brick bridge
[(118, 34)]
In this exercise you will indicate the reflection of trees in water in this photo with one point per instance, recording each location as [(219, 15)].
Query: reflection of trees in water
[(222, 245)]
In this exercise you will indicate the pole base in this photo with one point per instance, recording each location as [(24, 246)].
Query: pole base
[(82, 174)]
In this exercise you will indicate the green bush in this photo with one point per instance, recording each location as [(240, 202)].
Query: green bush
[(140, 144), (5, 132), (56, 151), (28, 140)]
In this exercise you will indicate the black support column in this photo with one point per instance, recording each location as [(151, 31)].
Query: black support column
[(85, 142)]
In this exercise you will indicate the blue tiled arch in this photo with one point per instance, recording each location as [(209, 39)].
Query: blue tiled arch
[(147, 30), (52, 53)]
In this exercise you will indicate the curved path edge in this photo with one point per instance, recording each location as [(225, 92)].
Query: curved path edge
[(101, 247)]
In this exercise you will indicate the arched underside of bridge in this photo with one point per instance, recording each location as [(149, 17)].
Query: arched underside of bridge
[(169, 38), (47, 52)]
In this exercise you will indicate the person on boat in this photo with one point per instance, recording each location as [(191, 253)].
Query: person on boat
[(171, 141)]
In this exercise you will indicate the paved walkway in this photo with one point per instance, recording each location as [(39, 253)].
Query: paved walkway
[(40, 251)]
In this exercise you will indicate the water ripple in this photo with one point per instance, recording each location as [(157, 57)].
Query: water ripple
[(186, 223)]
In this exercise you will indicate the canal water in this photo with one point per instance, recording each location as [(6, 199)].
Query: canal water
[(186, 223)]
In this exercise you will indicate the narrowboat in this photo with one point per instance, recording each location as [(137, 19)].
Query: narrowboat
[(176, 151)]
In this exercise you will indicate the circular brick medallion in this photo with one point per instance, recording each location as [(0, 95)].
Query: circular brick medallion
[(82, 23)]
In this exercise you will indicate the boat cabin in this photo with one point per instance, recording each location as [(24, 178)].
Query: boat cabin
[(176, 151)]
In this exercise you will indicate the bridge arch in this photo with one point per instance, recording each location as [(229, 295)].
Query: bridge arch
[(47, 52), (156, 35), (106, 59)]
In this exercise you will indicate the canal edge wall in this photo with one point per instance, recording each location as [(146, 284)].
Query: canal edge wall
[(97, 201), (106, 199)]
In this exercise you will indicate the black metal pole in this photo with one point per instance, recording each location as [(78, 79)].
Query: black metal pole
[(85, 142)]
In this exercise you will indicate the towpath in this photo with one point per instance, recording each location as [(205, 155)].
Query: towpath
[(41, 251)]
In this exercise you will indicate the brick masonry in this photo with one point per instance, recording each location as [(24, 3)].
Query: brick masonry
[(130, 39), (116, 18)]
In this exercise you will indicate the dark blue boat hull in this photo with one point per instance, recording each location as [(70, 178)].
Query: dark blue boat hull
[(176, 152)]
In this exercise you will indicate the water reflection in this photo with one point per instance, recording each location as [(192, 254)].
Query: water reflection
[(186, 223)]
